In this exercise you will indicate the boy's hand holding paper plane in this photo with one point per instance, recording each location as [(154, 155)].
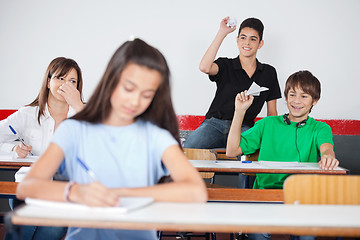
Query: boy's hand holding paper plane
[(255, 90)]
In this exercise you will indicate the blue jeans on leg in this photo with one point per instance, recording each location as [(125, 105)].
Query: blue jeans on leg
[(212, 133), (37, 233)]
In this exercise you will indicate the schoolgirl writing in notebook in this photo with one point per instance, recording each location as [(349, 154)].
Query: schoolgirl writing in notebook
[(60, 97), (127, 134)]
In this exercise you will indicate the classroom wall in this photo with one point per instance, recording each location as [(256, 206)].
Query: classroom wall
[(320, 35)]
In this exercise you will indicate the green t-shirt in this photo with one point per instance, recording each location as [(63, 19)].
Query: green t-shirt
[(278, 141)]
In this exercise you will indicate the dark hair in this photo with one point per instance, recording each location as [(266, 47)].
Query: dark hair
[(253, 23), (59, 67), (305, 81), (160, 112)]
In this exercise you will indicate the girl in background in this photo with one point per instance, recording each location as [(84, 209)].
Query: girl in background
[(128, 135), (60, 97)]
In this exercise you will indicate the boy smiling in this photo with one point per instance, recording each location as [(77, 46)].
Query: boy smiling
[(291, 137)]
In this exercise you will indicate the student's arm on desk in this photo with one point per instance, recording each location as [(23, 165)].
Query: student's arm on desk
[(328, 160), (242, 103), (38, 183), (187, 186)]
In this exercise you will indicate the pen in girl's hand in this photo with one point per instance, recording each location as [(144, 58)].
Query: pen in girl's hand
[(19, 138), (87, 169)]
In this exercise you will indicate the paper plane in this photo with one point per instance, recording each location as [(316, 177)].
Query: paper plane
[(255, 90)]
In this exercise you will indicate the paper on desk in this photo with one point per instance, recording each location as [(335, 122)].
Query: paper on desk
[(13, 157), (255, 90), (127, 204), (289, 165), (21, 173), (238, 164)]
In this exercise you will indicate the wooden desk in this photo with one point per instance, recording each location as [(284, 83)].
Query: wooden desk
[(14, 164), (259, 167), (319, 220), (9, 163)]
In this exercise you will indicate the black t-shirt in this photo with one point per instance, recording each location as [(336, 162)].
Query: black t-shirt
[(232, 79)]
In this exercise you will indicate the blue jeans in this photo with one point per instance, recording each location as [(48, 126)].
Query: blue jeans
[(37, 233), (212, 133), (266, 236)]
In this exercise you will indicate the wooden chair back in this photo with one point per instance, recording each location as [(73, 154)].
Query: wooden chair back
[(201, 154), (252, 157), (322, 189)]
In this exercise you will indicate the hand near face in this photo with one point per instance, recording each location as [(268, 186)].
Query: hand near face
[(242, 102), (71, 95)]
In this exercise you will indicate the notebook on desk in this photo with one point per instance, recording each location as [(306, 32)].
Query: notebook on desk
[(13, 157), (127, 204)]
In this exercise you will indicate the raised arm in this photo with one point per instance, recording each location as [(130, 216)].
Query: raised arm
[(242, 103), (328, 160), (207, 64)]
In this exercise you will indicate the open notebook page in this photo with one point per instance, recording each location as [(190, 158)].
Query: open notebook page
[(126, 204)]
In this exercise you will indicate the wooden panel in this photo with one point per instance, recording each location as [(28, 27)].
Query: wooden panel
[(322, 189), (14, 164), (252, 157), (8, 188), (223, 156), (248, 195)]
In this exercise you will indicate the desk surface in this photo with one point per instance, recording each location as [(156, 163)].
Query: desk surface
[(9, 163), (262, 167), (320, 220)]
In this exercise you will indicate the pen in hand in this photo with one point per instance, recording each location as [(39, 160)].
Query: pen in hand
[(18, 137), (87, 169)]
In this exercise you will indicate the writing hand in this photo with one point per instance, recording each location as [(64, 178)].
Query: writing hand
[(93, 194), (22, 150)]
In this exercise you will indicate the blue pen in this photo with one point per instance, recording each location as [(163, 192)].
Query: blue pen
[(246, 161), (87, 169), (19, 138)]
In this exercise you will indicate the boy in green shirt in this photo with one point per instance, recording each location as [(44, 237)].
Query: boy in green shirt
[(291, 137)]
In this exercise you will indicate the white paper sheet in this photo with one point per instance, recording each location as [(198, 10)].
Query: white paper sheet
[(255, 90), (126, 204)]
